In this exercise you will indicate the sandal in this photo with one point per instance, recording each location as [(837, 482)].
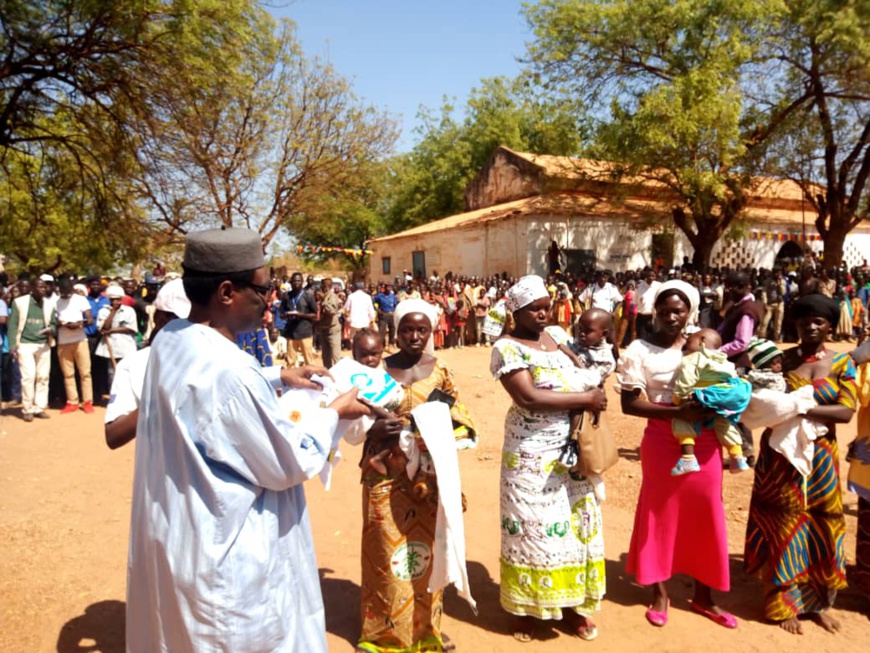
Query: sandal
[(587, 631), (447, 644)]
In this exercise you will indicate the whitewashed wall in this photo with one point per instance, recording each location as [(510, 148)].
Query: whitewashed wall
[(518, 245)]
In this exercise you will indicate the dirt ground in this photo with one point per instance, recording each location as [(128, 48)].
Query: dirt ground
[(64, 519)]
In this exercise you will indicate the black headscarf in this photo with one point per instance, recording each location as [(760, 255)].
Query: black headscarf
[(816, 305)]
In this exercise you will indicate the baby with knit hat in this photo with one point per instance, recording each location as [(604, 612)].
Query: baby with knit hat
[(766, 372)]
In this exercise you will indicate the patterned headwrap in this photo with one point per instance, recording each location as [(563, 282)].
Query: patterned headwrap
[(687, 290), (525, 291)]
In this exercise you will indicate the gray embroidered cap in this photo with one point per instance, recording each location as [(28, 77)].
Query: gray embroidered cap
[(223, 251)]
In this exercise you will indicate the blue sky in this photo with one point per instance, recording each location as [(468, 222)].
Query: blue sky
[(401, 54)]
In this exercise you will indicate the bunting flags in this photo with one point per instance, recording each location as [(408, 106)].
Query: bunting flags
[(319, 249), (766, 235)]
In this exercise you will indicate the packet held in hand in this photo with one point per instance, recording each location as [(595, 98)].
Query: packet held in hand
[(375, 385)]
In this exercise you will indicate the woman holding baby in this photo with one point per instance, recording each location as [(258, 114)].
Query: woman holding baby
[(679, 525), (795, 533), (552, 544), (400, 508)]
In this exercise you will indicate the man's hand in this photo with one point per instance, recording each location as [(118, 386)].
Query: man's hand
[(300, 377), (348, 405)]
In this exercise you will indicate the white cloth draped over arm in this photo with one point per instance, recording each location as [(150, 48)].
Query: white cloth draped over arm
[(448, 560), (792, 435)]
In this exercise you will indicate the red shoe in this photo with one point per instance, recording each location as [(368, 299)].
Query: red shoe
[(69, 408), (88, 407), (656, 617), (724, 619)]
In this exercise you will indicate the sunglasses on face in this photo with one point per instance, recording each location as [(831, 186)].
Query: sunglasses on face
[(263, 291)]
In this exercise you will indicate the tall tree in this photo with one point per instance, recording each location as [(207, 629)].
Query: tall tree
[(76, 76), (691, 93), (260, 142), (429, 181), (825, 50)]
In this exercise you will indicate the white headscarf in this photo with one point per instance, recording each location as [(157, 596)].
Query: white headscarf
[(690, 292), (408, 306), (525, 291)]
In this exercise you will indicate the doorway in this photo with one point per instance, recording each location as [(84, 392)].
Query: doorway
[(418, 264), (662, 250)]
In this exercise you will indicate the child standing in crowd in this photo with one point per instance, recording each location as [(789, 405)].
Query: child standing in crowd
[(481, 308), (858, 312), (460, 319), (562, 311), (707, 376)]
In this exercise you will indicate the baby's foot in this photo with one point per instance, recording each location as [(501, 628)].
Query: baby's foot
[(738, 464), (686, 465)]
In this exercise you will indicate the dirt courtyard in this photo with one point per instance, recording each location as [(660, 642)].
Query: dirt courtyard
[(65, 511)]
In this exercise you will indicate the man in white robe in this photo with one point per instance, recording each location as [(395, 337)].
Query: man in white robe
[(221, 555)]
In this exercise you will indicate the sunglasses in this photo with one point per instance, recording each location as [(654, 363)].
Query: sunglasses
[(263, 291)]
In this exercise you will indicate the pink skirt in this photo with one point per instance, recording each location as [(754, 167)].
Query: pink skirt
[(679, 525)]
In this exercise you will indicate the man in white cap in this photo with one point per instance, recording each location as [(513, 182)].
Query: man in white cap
[(122, 412), (221, 555), (118, 329)]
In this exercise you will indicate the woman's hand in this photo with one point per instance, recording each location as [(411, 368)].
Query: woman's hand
[(595, 400), (385, 428)]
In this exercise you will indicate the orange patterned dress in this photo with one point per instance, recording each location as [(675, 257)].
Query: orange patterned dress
[(399, 614)]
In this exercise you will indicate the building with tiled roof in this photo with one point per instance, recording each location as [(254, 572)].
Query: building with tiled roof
[(519, 203)]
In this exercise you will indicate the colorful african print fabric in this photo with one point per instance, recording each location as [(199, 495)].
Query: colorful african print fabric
[(552, 540), (399, 615), (796, 530), (859, 480)]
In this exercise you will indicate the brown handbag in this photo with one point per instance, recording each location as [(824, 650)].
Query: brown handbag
[(597, 450)]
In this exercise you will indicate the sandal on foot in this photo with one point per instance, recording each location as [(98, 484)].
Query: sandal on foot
[(658, 618), (724, 619), (587, 632), (447, 644)]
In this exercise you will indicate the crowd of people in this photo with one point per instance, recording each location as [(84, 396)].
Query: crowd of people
[(693, 352)]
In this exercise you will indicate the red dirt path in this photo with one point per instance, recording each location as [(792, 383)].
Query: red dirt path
[(64, 519)]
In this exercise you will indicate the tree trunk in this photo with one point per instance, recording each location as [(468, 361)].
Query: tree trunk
[(703, 235), (835, 241)]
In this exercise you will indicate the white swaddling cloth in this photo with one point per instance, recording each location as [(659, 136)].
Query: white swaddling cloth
[(792, 435), (448, 556), (375, 386)]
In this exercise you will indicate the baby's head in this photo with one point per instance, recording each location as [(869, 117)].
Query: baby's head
[(765, 355), (593, 327), (709, 338), (368, 347)]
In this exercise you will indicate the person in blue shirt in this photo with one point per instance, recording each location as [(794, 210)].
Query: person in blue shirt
[(256, 343), (99, 365), (385, 302)]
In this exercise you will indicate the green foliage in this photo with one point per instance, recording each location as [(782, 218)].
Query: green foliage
[(167, 115), (429, 181), (695, 94)]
